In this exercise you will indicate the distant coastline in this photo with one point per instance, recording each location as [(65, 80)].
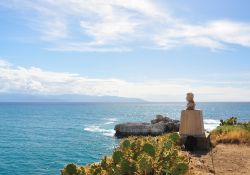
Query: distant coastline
[(16, 97)]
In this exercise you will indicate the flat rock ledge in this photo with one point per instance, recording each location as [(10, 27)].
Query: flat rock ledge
[(158, 126)]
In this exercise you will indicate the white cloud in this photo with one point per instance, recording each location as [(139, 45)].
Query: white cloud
[(112, 25), (88, 47), (4, 63), (214, 35), (102, 25), (37, 81), (55, 29)]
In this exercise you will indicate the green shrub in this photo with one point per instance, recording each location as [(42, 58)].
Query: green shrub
[(142, 155), (230, 131), (230, 121), (117, 157), (71, 169), (245, 125)]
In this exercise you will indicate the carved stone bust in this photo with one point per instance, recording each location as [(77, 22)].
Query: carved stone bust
[(190, 101)]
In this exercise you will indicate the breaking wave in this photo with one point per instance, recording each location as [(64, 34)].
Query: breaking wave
[(110, 121), (98, 129), (211, 124)]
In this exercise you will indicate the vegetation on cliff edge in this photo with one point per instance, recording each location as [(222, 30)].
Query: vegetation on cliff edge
[(138, 155), (230, 131), (158, 155)]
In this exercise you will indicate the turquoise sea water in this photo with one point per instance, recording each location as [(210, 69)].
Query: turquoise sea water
[(40, 138)]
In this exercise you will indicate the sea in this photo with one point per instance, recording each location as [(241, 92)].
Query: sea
[(41, 138)]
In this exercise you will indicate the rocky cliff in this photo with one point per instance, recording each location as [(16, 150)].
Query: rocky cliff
[(158, 126)]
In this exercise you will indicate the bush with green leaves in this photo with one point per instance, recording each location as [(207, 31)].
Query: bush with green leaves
[(229, 121), (231, 131), (140, 155)]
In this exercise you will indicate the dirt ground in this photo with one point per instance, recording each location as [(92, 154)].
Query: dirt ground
[(222, 160)]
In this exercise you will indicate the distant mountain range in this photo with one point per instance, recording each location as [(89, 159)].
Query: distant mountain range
[(7, 97)]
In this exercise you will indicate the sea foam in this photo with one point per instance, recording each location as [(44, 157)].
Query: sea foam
[(110, 121), (211, 124), (98, 129)]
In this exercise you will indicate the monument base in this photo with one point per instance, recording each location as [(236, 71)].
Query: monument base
[(192, 123), (192, 131), (202, 142)]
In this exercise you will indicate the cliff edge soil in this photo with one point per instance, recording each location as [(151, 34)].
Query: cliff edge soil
[(224, 159)]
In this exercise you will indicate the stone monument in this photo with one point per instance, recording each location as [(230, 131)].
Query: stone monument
[(190, 100), (192, 126)]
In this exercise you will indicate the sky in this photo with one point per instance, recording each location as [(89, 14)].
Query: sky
[(156, 50)]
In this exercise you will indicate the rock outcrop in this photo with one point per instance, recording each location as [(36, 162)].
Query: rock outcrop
[(157, 126)]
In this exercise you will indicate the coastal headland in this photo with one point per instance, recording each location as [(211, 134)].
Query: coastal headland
[(162, 153)]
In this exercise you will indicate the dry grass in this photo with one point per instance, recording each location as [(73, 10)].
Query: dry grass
[(230, 134)]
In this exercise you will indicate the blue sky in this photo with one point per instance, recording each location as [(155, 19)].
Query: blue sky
[(154, 50)]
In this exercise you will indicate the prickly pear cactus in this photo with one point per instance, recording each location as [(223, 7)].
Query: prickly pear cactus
[(126, 144), (128, 167), (180, 169), (81, 171), (149, 149), (168, 144), (117, 157), (104, 163), (138, 155), (71, 169), (145, 165), (174, 137)]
